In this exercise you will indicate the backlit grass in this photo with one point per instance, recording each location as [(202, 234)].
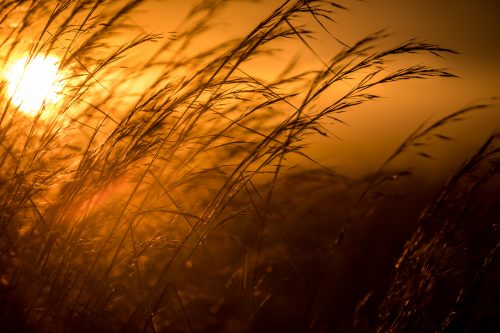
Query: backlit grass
[(157, 193)]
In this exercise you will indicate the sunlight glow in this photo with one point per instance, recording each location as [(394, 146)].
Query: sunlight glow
[(35, 83)]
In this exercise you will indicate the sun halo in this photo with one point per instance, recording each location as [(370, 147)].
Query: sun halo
[(33, 83)]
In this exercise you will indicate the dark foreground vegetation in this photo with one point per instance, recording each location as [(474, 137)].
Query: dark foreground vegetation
[(159, 194)]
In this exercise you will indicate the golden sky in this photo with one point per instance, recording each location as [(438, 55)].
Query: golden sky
[(374, 130)]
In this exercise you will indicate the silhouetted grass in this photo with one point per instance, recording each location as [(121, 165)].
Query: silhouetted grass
[(158, 193)]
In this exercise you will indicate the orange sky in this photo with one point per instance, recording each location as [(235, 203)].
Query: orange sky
[(374, 130)]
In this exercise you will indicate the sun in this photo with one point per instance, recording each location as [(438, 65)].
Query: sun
[(33, 83)]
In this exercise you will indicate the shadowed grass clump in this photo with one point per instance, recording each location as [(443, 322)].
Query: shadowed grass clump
[(159, 194), (444, 280)]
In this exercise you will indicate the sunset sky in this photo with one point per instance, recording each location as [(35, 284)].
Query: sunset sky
[(249, 166), (374, 130)]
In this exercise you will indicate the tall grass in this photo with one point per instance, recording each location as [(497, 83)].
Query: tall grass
[(158, 193)]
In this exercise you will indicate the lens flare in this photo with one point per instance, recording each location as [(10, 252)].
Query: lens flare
[(32, 83)]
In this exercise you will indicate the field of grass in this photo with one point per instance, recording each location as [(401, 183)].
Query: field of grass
[(160, 190)]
